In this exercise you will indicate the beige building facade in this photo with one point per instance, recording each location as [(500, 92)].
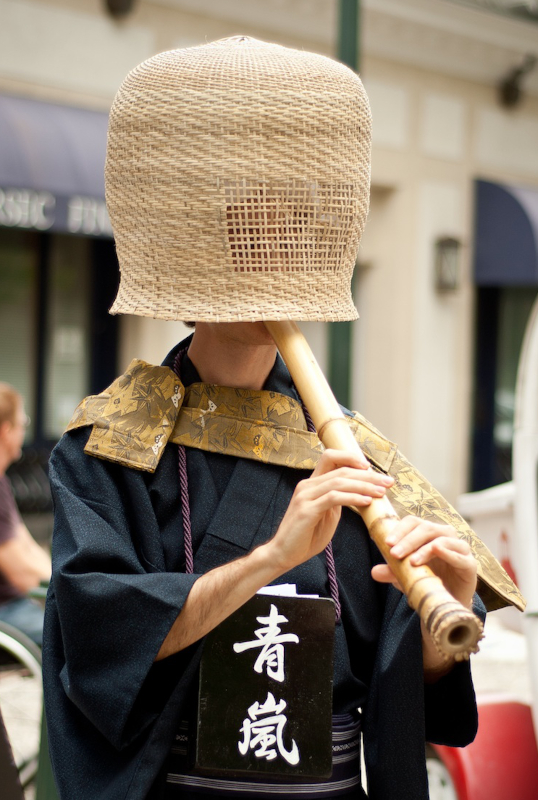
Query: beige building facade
[(431, 68)]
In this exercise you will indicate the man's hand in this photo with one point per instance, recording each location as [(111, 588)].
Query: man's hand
[(438, 546), (450, 557), (340, 478)]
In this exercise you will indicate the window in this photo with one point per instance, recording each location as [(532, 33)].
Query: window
[(502, 315), (57, 341)]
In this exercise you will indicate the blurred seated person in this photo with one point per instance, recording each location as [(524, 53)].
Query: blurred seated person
[(23, 563)]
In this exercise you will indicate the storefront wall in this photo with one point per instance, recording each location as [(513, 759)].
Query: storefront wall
[(433, 137), (437, 128)]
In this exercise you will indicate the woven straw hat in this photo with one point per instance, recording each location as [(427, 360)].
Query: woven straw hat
[(237, 182)]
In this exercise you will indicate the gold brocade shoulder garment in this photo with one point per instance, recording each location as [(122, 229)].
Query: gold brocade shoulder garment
[(147, 407)]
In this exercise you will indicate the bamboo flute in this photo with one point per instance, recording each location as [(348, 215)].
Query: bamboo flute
[(454, 629)]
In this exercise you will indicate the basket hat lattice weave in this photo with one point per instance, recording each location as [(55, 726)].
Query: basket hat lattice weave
[(237, 182)]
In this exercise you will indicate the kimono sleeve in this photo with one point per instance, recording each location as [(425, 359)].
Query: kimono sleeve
[(450, 703), (401, 713), (111, 598)]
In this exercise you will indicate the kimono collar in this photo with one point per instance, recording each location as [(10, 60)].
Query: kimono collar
[(148, 406)]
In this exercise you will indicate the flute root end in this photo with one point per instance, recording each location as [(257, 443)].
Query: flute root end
[(456, 633)]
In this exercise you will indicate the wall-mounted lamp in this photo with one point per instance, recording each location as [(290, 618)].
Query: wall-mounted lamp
[(119, 8), (447, 264), (510, 90)]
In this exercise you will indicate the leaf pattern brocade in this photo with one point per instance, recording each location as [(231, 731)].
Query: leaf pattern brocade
[(147, 407)]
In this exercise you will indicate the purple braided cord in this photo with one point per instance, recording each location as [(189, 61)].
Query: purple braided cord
[(329, 555), (184, 487)]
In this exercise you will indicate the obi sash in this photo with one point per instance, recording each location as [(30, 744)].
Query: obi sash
[(345, 778)]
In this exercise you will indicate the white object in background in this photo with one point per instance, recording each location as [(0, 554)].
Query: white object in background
[(525, 469), (284, 590), (490, 513)]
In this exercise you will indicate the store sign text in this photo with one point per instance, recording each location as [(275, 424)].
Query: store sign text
[(43, 211), (88, 216), (20, 208)]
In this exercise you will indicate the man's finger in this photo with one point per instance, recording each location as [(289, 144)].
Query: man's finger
[(454, 552), (382, 573), (417, 533), (332, 459), (345, 479), (403, 528)]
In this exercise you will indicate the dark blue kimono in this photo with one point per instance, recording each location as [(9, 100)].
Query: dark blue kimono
[(119, 583)]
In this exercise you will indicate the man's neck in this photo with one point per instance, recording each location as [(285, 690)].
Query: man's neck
[(233, 354)]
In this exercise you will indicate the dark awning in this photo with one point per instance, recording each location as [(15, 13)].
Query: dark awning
[(51, 167), (506, 235)]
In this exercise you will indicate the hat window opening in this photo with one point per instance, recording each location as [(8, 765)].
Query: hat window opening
[(291, 226)]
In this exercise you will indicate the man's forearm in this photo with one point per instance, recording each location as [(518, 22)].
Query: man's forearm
[(217, 594), (23, 562)]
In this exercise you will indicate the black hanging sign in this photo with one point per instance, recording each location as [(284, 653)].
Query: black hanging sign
[(265, 698)]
